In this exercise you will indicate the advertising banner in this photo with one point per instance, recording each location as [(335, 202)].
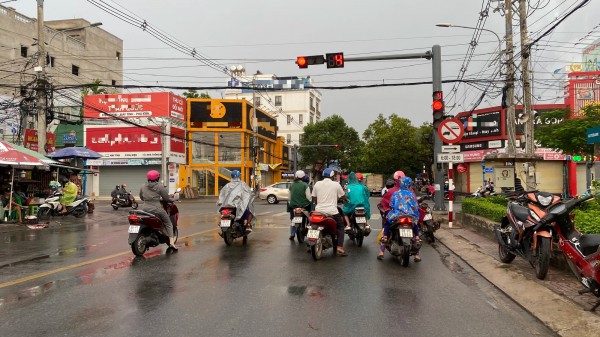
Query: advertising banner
[(483, 124), (135, 105), (31, 140), (211, 114)]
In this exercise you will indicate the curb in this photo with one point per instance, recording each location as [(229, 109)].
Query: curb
[(556, 312)]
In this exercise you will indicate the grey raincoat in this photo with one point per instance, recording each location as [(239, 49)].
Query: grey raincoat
[(152, 193), (237, 193)]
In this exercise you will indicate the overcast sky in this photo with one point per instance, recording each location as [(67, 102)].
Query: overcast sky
[(267, 35)]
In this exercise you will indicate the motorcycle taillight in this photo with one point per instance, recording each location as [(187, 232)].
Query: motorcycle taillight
[(133, 218), (404, 220), (317, 218), (225, 211)]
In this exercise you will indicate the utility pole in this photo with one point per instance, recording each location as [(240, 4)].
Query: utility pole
[(41, 79), (295, 154), (436, 62), (163, 158), (529, 119), (255, 146), (510, 81)]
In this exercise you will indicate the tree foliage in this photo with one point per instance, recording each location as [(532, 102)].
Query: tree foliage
[(93, 88), (570, 136), (393, 143), (194, 94), (330, 131)]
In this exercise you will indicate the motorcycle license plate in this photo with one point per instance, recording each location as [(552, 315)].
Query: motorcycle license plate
[(134, 229), (428, 217), (225, 223), (313, 234), (361, 219), (297, 219), (406, 232)]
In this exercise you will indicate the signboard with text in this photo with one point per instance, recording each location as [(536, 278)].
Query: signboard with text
[(135, 105), (483, 124), (31, 140)]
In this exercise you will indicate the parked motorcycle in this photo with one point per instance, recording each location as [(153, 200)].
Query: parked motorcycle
[(52, 207), (581, 250), (124, 200), (522, 233), (428, 226), (231, 228), (146, 229), (358, 226), (300, 221), (401, 242), (321, 233)]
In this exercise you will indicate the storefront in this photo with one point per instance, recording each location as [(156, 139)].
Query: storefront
[(131, 132), (221, 140)]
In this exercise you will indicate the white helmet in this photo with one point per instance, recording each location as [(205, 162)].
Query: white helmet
[(300, 174)]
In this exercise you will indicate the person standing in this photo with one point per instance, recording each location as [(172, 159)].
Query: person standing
[(325, 195)]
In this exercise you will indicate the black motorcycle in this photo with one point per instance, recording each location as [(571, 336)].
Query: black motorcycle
[(401, 242), (300, 221), (358, 226), (124, 200), (231, 228)]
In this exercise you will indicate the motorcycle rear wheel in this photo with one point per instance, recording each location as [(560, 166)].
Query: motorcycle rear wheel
[(80, 212), (505, 255), (228, 237), (134, 205), (405, 256), (175, 234), (44, 213), (138, 247), (300, 234), (115, 207), (317, 250), (359, 239), (245, 240), (542, 261)]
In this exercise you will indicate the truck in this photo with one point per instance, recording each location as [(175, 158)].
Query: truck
[(374, 182)]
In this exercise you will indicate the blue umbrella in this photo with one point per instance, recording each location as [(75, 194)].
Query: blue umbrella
[(74, 152)]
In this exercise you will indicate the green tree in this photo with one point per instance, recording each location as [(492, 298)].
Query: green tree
[(330, 131), (570, 136), (93, 88), (393, 144), (194, 94)]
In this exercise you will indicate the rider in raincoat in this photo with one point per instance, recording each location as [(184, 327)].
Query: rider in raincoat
[(237, 193), (358, 196)]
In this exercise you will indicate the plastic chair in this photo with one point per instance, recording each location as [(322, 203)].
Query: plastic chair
[(33, 210)]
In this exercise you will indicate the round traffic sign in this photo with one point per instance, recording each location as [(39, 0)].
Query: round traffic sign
[(461, 168), (451, 131)]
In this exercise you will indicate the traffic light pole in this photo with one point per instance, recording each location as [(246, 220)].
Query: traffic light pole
[(436, 62)]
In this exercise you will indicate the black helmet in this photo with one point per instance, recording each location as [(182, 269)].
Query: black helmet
[(389, 183)]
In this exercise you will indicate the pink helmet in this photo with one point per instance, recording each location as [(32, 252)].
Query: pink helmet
[(398, 175), (153, 175)]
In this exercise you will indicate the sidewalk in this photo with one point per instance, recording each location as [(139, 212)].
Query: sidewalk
[(553, 301)]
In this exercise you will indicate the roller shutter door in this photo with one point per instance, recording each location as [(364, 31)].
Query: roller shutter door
[(133, 176)]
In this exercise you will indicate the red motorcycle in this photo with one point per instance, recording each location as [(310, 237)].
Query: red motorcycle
[(322, 230), (146, 229), (581, 250)]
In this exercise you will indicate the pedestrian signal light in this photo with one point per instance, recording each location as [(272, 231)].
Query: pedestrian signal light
[(335, 60), (305, 61)]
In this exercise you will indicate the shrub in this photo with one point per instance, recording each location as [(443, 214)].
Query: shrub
[(587, 218), (485, 207)]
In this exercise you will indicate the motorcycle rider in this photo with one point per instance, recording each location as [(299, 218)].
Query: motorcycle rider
[(120, 192), (151, 193), (69, 194), (325, 195), (358, 195), (299, 196), (237, 193)]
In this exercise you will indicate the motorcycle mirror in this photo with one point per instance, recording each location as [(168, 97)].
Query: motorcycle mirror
[(178, 190)]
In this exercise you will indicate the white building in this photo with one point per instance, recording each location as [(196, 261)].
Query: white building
[(290, 99)]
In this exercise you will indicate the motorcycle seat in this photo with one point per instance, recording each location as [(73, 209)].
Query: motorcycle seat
[(520, 212), (143, 213), (589, 243)]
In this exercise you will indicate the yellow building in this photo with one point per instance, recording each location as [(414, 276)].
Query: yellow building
[(221, 138)]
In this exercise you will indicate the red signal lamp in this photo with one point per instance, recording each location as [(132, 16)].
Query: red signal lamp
[(437, 105), (301, 62)]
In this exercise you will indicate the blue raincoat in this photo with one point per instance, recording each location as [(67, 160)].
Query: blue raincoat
[(404, 203), (358, 196)]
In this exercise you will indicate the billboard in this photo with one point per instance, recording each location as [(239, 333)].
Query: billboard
[(583, 90), (482, 124), (31, 140), (591, 57), (212, 114), (135, 105)]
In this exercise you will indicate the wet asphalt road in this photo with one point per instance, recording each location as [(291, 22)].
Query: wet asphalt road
[(76, 279)]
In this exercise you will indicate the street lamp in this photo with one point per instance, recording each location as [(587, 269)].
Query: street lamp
[(448, 25), (95, 24)]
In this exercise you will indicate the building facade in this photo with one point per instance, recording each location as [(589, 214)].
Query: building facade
[(221, 139), (132, 132), (290, 99)]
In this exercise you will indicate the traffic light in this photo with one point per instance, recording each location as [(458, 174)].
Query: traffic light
[(438, 108), (335, 60), (305, 61)]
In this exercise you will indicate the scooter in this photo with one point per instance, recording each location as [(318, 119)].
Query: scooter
[(321, 233), (52, 207), (522, 233), (124, 200), (581, 251), (428, 226), (231, 228), (146, 229), (358, 225), (401, 242), (300, 221)]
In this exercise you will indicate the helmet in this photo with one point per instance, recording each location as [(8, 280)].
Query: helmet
[(389, 183), (54, 184), (123, 185), (300, 174), (359, 176), (328, 173), (398, 175), (306, 179), (153, 175), (235, 174)]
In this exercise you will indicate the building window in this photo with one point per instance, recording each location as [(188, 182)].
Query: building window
[(312, 104), (301, 119), (289, 138), (257, 101), (50, 61), (301, 137), (23, 91), (312, 119), (23, 51), (317, 108), (113, 83), (118, 55), (75, 70), (289, 120), (277, 100)]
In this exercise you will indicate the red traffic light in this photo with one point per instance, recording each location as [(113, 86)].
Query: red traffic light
[(437, 105), (438, 101), (301, 62)]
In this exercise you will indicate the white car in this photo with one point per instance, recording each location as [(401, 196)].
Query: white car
[(274, 193)]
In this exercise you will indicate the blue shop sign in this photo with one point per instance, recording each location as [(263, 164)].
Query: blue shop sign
[(593, 135)]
